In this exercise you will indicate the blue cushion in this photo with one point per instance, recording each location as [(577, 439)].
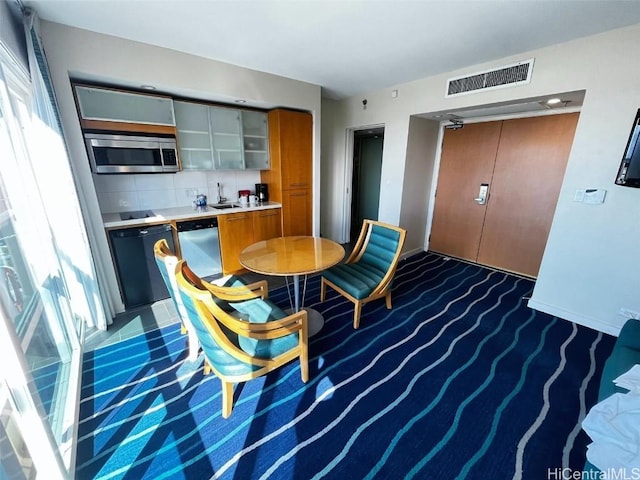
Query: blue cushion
[(255, 310), (222, 361), (360, 278), (261, 311), (232, 281), (381, 248), (626, 353), (629, 335), (357, 279)]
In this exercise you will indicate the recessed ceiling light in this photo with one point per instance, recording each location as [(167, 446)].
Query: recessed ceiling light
[(553, 101), (241, 101), (148, 87)]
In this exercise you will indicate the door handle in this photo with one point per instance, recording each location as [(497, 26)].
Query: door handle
[(483, 194)]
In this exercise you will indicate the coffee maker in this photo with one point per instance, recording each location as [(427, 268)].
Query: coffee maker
[(262, 192)]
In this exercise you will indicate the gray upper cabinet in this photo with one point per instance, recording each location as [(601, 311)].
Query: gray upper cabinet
[(102, 104), (255, 140), (194, 136), (226, 133), (221, 138)]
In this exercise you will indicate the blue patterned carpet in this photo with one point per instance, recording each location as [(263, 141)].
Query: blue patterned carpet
[(459, 380)]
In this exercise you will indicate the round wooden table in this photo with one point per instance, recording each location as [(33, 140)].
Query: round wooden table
[(292, 257)]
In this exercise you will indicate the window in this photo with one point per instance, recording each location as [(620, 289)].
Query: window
[(47, 284)]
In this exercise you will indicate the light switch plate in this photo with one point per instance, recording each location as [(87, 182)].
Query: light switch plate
[(594, 196)]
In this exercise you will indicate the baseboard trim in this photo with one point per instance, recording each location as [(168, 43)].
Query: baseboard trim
[(405, 255), (592, 323)]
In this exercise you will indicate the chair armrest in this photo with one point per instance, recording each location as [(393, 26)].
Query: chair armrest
[(242, 292), (260, 285), (271, 329), (264, 331), (293, 323), (275, 328)]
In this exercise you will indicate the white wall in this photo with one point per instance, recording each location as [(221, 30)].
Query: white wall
[(74, 52), (589, 267), (422, 142), (349, 115), (332, 195)]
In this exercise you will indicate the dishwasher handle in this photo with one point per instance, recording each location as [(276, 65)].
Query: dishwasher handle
[(197, 224), (140, 231)]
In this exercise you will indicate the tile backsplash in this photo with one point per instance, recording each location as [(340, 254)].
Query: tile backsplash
[(130, 192)]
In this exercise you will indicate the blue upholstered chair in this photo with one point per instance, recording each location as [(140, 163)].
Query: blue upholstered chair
[(167, 262), (243, 335), (367, 273)]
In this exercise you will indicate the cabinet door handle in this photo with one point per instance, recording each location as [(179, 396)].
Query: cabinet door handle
[(298, 194), (237, 218), (299, 184)]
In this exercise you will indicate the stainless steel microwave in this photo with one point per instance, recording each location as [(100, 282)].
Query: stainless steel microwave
[(110, 153)]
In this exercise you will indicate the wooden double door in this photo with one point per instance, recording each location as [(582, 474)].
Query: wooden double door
[(521, 164)]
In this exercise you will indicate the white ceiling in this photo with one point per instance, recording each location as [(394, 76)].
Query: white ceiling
[(346, 46)]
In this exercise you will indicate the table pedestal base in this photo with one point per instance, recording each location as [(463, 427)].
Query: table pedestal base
[(315, 320)]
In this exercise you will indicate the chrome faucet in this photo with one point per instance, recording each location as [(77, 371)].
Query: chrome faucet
[(221, 199)]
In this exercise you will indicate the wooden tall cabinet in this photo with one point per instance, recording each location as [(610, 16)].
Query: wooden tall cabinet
[(291, 174)]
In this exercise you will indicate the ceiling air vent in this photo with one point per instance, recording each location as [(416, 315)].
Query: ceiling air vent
[(507, 76)]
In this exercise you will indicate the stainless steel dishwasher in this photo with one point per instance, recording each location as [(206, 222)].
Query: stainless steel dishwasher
[(200, 246)]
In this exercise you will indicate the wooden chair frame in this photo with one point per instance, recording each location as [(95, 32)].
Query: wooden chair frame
[(383, 289), (212, 315), (162, 251)]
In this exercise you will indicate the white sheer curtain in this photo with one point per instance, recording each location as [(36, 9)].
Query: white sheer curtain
[(52, 169), (36, 315)]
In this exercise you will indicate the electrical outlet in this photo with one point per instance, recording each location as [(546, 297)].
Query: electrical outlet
[(626, 312)]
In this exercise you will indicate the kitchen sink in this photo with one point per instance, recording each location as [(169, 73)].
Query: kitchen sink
[(222, 206)]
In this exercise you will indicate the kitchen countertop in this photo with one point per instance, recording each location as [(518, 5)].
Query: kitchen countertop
[(165, 215)]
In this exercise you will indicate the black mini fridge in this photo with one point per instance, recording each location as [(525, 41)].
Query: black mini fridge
[(140, 279)]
